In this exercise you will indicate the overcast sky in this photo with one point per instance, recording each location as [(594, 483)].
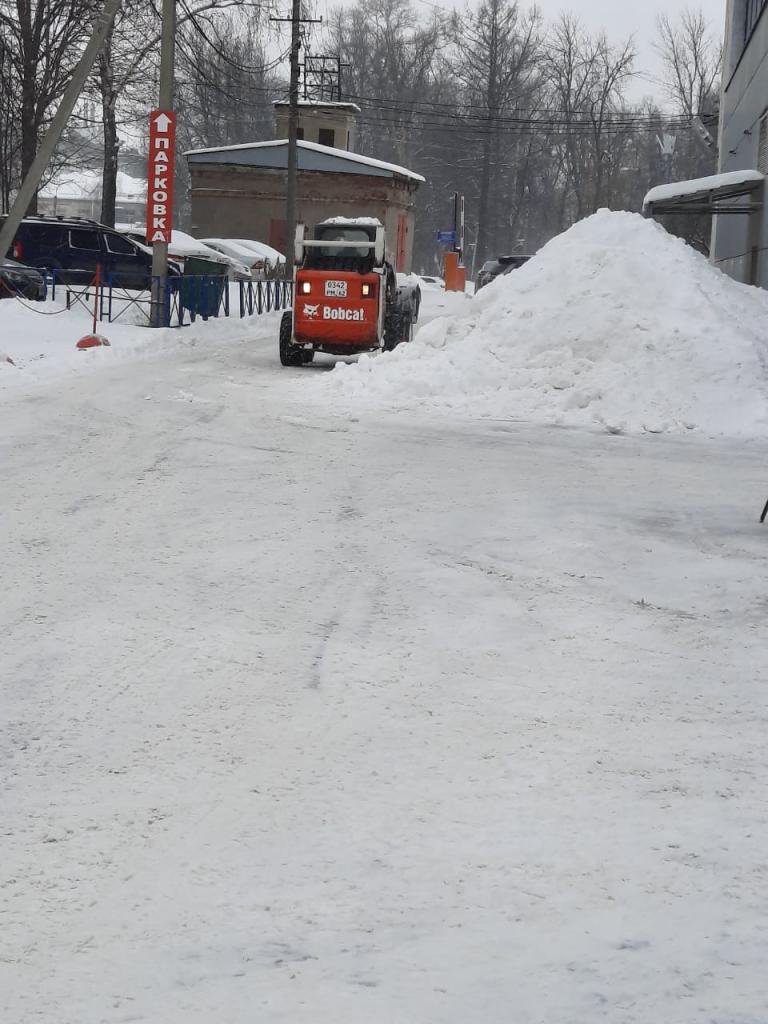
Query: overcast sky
[(619, 18)]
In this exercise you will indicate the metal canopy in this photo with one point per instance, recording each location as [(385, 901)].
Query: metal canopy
[(714, 195)]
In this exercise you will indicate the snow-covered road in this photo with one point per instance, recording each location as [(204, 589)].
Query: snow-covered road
[(312, 719)]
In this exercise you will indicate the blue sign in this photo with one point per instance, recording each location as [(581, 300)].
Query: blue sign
[(448, 237)]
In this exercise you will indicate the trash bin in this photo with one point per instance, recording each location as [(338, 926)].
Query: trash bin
[(202, 286)]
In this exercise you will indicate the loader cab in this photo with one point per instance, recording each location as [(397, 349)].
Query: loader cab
[(333, 256), (332, 242)]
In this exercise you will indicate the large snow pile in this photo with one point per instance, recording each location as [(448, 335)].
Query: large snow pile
[(615, 323)]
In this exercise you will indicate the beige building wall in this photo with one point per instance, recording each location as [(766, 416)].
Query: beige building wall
[(333, 126), (249, 202)]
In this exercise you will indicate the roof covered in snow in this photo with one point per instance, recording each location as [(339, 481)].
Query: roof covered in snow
[(716, 186), (321, 104), (311, 155), (371, 222), (81, 183)]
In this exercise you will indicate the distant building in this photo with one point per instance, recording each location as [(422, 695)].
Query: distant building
[(739, 242), (735, 196), (240, 191), (77, 193), (328, 124)]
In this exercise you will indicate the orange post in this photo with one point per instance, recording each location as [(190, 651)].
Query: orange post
[(455, 275), (94, 340)]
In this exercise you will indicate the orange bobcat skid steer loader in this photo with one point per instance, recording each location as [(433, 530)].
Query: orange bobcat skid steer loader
[(346, 297)]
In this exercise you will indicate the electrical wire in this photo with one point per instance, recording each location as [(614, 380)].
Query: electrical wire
[(14, 293), (575, 128), (219, 88), (741, 255), (535, 116), (245, 68)]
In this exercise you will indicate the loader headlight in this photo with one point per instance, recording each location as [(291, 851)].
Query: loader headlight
[(366, 289), (306, 287)]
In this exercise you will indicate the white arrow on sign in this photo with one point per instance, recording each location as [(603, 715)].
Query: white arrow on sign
[(161, 123)]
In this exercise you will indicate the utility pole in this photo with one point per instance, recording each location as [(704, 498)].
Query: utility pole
[(296, 21), (48, 145), (293, 136), (165, 102)]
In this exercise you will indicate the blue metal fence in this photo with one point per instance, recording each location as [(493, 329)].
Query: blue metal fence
[(257, 297), (187, 298)]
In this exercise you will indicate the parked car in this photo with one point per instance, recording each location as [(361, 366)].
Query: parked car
[(269, 262), (184, 247), (492, 269), (266, 252), (72, 247), (257, 263), (19, 280)]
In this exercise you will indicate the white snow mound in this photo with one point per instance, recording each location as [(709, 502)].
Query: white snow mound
[(614, 323)]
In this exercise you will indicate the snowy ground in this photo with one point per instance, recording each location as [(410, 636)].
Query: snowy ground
[(313, 717)]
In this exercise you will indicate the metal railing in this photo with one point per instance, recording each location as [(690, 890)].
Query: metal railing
[(257, 297), (187, 298)]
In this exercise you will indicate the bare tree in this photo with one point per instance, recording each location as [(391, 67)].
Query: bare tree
[(42, 42), (128, 62), (10, 129), (498, 63), (225, 85), (586, 77), (392, 58), (692, 59)]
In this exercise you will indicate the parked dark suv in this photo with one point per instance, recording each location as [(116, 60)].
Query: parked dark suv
[(495, 268), (73, 247)]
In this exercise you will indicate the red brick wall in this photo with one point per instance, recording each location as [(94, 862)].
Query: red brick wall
[(243, 202)]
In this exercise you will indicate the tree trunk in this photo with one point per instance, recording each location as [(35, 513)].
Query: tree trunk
[(29, 127), (111, 140), (109, 175)]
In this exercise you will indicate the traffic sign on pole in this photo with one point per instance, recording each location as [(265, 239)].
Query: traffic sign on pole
[(447, 237), (162, 148)]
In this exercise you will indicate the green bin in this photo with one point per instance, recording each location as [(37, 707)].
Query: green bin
[(202, 285)]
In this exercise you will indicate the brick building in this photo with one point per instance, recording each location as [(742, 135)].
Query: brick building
[(240, 191)]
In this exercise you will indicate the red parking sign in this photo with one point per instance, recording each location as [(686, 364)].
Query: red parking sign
[(162, 148)]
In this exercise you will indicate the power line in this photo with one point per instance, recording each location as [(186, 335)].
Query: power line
[(537, 115), (580, 128), (259, 69)]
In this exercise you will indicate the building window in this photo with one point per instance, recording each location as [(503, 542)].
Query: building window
[(326, 137), (753, 11)]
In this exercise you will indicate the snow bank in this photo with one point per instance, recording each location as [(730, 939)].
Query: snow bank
[(615, 323)]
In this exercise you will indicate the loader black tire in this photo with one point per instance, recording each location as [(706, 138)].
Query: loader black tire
[(393, 330), (398, 329), (307, 355), (290, 355)]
